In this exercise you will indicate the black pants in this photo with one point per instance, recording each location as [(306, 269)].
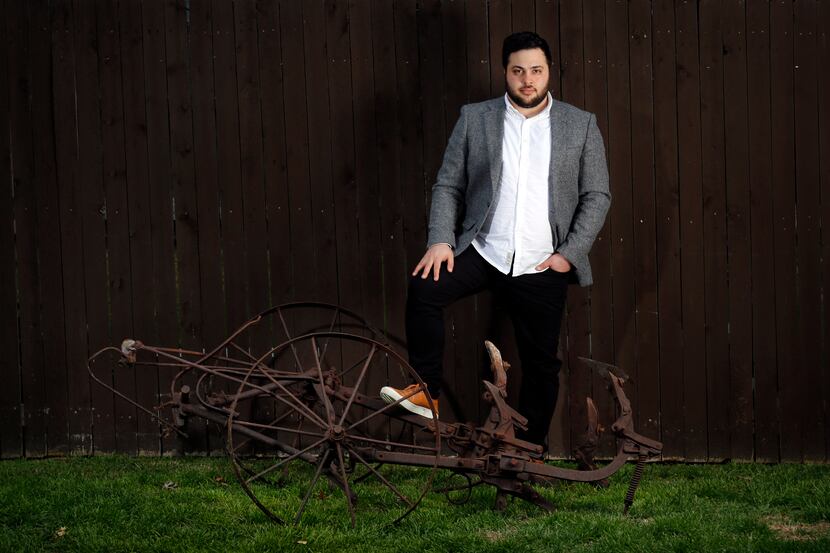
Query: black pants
[(535, 303)]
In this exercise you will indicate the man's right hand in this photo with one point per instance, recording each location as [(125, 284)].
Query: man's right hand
[(432, 260)]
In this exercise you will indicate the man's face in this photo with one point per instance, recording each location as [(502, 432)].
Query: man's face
[(526, 77)]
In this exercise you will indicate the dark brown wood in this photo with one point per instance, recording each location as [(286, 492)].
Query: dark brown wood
[(601, 317), (823, 39), (213, 324), (715, 233), (576, 378), (522, 15), (783, 186), (273, 139), (160, 201), (93, 212), (228, 162), (342, 155), (54, 378), (71, 233), (667, 227), (646, 322), (689, 149), (738, 229), (478, 53), (761, 215), (177, 168), (498, 26), (10, 429), (183, 189), (138, 195), (808, 234), (119, 281), (32, 381)]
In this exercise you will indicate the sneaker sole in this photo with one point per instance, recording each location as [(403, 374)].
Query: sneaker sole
[(390, 395)]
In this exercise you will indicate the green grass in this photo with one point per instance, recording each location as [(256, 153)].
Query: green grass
[(121, 504)]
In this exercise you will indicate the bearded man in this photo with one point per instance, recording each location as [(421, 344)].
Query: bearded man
[(520, 197)]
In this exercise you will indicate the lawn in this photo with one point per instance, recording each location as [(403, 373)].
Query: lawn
[(194, 504)]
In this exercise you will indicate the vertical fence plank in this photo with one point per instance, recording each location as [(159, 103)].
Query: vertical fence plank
[(250, 145), (93, 213), (71, 227), (274, 137), (161, 198), (119, 282), (783, 186), (11, 439), (667, 223), (689, 149), (33, 377), (338, 26), (575, 377), (522, 15), (143, 275), (228, 162), (808, 233), (740, 425), (824, 140), (52, 389), (761, 230), (498, 26), (411, 210), (601, 316), (188, 304), (206, 170), (619, 158), (365, 144), (478, 53), (647, 374), (10, 431), (714, 235)]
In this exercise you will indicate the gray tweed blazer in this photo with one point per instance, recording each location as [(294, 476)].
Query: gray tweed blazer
[(470, 176)]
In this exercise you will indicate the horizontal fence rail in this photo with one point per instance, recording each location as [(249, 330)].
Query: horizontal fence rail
[(171, 168)]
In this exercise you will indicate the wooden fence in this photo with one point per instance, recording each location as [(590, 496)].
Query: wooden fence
[(172, 168)]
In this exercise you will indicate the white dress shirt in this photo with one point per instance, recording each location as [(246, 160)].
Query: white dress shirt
[(517, 231)]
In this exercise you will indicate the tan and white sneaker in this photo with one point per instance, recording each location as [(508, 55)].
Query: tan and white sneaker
[(416, 403)]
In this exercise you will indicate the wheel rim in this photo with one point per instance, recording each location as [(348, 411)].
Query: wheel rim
[(326, 384)]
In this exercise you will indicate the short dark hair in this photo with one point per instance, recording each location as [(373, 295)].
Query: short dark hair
[(525, 40)]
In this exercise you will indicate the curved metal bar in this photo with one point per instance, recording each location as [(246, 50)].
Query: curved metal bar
[(92, 374)]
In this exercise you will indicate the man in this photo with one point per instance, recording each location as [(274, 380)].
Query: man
[(518, 201)]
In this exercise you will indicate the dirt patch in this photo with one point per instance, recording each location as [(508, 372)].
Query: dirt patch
[(789, 530)]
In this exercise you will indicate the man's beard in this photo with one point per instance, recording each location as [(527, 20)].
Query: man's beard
[(527, 104)]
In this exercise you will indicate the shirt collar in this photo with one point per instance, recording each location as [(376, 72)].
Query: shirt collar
[(544, 114)]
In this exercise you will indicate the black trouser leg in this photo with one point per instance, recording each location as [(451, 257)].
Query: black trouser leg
[(425, 304), (536, 304)]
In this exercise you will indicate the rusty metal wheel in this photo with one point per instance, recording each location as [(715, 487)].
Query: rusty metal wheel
[(255, 339), (325, 439)]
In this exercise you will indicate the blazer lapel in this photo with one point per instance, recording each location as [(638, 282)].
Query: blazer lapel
[(494, 131)]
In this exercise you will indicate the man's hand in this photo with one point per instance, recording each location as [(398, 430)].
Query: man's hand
[(555, 262), (436, 254)]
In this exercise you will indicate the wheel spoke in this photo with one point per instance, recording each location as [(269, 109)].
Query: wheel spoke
[(393, 444), (316, 477), (280, 428), (322, 391), (289, 337), (382, 479), (275, 466), (331, 329), (347, 490), (299, 405), (357, 385)]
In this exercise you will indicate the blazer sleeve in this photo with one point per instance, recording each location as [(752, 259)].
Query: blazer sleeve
[(594, 197), (449, 190)]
